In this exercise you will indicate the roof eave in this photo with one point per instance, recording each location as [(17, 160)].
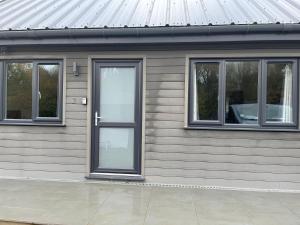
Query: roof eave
[(226, 33)]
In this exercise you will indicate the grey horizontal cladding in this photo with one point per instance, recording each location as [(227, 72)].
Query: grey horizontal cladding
[(164, 116), (165, 77), (76, 107), (220, 150), (154, 62), (34, 166), (76, 122), (77, 85), (254, 135), (43, 144), (76, 92), (43, 137), (66, 160), (165, 85), (190, 34), (248, 176), (208, 157), (173, 154), (165, 101), (225, 166), (165, 69), (45, 130), (165, 93), (165, 124), (50, 152), (226, 142), (164, 109), (226, 158), (40, 174)]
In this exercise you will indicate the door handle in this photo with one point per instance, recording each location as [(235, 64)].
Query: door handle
[(97, 118)]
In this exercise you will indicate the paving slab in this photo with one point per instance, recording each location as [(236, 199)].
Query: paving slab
[(111, 203)]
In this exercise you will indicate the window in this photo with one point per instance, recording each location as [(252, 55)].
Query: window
[(206, 91), (243, 93), (241, 96), (31, 91)]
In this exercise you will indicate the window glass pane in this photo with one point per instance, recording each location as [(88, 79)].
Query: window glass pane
[(48, 90), (241, 103), (116, 154), (117, 94), (206, 81), (279, 93), (19, 91)]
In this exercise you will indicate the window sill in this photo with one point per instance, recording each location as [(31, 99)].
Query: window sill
[(116, 176), (32, 124), (251, 129)]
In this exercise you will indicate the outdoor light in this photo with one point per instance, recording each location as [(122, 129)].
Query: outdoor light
[(75, 69)]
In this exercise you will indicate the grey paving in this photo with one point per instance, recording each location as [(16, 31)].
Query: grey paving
[(68, 203)]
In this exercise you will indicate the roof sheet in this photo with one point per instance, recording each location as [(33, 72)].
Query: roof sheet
[(59, 14)]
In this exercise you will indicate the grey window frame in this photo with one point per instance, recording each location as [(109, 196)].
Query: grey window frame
[(35, 120), (261, 91), (295, 88), (1, 90), (35, 109), (192, 91)]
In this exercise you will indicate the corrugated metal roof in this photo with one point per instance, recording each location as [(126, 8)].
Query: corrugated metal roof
[(59, 14)]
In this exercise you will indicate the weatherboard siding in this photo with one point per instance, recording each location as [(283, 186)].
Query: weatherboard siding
[(203, 157), (44, 152), (173, 154)]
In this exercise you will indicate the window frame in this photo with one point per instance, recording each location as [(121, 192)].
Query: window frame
[(35, 120), (295, 91), (261, 91), (192, 96), (259, 88)]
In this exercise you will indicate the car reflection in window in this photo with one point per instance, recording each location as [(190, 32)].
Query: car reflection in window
[(247, 114)]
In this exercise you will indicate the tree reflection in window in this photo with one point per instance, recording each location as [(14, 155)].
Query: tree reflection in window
[(48, 90), (207, 89), (19, 91), (241, 92), (279, 93)]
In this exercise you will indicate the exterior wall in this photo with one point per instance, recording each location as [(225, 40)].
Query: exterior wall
[(173, 154)]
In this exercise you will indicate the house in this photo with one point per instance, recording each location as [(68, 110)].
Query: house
[(186, 92)]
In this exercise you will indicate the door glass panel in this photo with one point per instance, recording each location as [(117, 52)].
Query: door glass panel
[(117, 94), (19, 91), (116, 148), (241, 104), (206, 91), (48, 89), (279, 93)]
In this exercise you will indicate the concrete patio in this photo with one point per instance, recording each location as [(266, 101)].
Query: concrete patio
[(71, 203)]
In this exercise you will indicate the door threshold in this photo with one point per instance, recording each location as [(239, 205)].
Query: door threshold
[(116, 176)]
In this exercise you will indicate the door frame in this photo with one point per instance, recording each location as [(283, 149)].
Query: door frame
[(138, 123)]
